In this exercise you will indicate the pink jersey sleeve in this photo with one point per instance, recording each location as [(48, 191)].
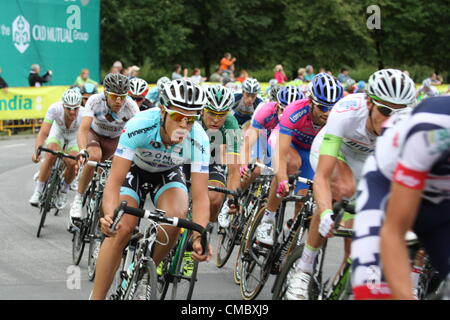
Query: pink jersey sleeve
[(265, 116)]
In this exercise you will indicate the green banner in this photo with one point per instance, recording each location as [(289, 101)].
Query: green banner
[(59, 35)]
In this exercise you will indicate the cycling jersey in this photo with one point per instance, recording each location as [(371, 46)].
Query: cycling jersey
[(413, 150), (141, 142), (105, 122), (433, 92), (266, 116), (59, 133)]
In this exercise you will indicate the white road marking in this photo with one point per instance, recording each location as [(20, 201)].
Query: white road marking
[(12, 145)]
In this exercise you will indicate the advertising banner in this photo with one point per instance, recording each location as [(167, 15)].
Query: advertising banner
[(59, 35)]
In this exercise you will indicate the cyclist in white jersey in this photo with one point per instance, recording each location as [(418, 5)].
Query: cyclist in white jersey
[(59, 128), (338, 153), (104, 118)]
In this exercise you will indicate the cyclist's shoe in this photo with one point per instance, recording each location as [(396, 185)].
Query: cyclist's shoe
[(265, 232), (74, 184), (34, 200), (61, 201), (298, 286), (188, 264), (223, 218), (75, 210)]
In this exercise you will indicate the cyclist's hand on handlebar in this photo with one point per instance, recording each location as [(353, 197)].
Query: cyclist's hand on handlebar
[(244, 171), (82, 156), (105, 225), (35, 157), (283, 188), (197, 251)]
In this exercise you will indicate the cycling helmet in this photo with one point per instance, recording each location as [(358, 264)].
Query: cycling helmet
[(391, 85), (289, 94), (183, 94), (273, 82), (161, 82), (116, 83), (251, 86), (426, 83), (220, 98), (72, 97), (138, 87), (273, 92), (325, 89), (361, 85), (88, 88)]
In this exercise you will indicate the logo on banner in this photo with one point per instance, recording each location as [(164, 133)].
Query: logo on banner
[(21, 34)]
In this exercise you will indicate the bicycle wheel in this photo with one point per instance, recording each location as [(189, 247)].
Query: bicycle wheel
[(143, 285), (185, 275), (47, 198), (255, 268), (78, 242), (95, 241), (226, 240), (282, 280)]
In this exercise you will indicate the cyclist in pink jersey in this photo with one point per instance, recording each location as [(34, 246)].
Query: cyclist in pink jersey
[(300, 123)]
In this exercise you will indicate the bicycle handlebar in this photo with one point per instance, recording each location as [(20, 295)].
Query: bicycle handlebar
[(56, 153), (95, 164), (159, 216)]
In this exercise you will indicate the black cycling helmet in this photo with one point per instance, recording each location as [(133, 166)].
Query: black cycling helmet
[(116, 83)]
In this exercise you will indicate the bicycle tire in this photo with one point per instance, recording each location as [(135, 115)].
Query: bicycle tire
[(78, 243), (226, 241), (143, 275), (249, 264), (95, 241), (280, 284), (49, 189), (178, 293)]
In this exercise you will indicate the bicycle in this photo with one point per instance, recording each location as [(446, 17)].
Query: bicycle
[(141, 274), (340, 288), (88, 230), (259, 260), (52, 185)]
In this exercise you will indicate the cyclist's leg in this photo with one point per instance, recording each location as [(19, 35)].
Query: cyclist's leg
[(95, 150), (111, 251), (71, 171)]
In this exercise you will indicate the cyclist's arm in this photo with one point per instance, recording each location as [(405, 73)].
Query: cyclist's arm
[(43, 133), (251, 135), (329, 151), (82, 137), (118, 172), (400, 215), (280, 159)]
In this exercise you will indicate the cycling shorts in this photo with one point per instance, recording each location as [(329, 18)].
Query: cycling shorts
[(106, 144), (58, 136)]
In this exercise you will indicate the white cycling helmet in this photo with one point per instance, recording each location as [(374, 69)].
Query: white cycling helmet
[(138, 87), (251, 86), (392, 85), (220, 98), (72, 97), (426, 83), (161, 82), (183, 94)]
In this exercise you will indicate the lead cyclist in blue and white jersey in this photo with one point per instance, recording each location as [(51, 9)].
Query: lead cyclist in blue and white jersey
[(407, 176), (152, 149), (246, 102), (59, 128), (338, 154)]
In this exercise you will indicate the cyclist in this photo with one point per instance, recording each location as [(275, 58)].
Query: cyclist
[(104, 118), (300, 123), (138, 92), (348, 138), (151, 150), (246, 102), (410, 162), (59, 129), (154, 93), (271, 91), (427, 89), (87, 90)]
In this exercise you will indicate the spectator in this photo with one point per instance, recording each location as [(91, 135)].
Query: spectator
[(216, 77), (322, 70), (133, 72), (124, 72), (329, 72), (83, 78), (343, 76), (227, 64), (196, 77), (361, 87), (309, 73), (176, 74), (436, 79), (3, 83), (118, 65), (243, 75), (35, 80), (279, 75), (114, 70), (301, 74)]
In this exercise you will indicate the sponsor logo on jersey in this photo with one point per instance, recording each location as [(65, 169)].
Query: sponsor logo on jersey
[(409, 178), (358, 146), (141, 131), (298, 114), (347, 105)]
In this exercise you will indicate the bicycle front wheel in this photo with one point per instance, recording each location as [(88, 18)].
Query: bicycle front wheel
[(282, 280), (143, 285), (47, 199)]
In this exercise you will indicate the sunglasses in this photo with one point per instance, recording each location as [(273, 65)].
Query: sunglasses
[(216, 114), (179, 116), (323, 108), (71, 107), (137, 99), (384, 109), (114, 96)]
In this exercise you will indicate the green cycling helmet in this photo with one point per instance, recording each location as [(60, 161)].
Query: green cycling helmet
[(220, 98)]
